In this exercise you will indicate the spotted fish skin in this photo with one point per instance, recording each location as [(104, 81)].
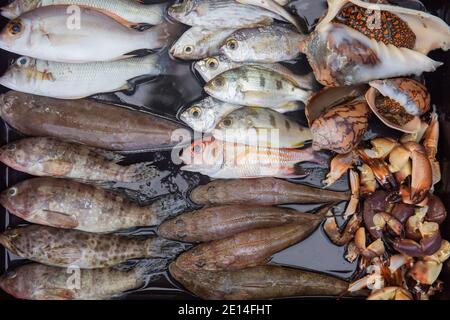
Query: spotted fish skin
[(64, 248), (72, 205), (56, 158)]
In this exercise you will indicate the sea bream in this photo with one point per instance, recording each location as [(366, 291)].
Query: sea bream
[(74, 81), (45, 33), (261, 127), (62, 159), (127, 12), (198, 42), (65, 248), (34, 281), (69, 204), (256, 86), (227, 160)]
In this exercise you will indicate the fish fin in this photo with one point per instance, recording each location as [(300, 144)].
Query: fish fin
[(163, 35), (274, 7), (54, 294), (108, 155), (169, 206), (58, 168), (140, 172), (58, 220), (289, 107), (162, 248), (113, 16), (292, 172), (150, 266)]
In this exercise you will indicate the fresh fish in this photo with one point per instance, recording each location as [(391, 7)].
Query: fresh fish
[(204, 115), (261, 127), (44, 34), (226, 160), (211, 67), (199, 42), (55, 158), (74, 81), (264, 191), (255, 86), (85, 121), (127, 12), (36, 281), (268, 44), (214, 14), (216, 223), (262, 282), (65, 248), (72, 205), (248, 248)]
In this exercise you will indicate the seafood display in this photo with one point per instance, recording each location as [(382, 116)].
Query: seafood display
[(72, 205), (223, 149), (60, 159), (65, 248)]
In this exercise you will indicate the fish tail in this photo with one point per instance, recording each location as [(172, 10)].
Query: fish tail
[(303, 95), (140, 172), (164, 34), (148, 267), (165, 249), (169, 206), (309, 155), (5, 241)]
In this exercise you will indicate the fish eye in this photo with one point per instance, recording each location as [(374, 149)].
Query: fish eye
[(22, 62), (232, 44), (212, 63), (227, 122), (218, 82), (12, 192), (15, 27), (196, 112), (188, 49)]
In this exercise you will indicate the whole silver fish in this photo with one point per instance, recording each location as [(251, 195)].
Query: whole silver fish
[(34, 281), (215, 14), (47, 33), (65, 248), (261, 127), (252, 85), (268, 44), (72, 205), (127, 12), (74, 81), (199, 42), (204, 115), (61, 159), (211, 67)]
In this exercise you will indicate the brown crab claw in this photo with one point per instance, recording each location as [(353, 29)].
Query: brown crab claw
[(376, 202), (404, 172), (422, 176), (342, 237), (382, 220), (398, 158), (391, 293), (380, 170), (402, 211), (340, 164), (381, 147), (427, 246), (427, 270), (436, 210), (375, 249), (368, 183)]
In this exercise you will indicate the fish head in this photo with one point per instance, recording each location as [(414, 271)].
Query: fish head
[(19, 200), (16, 36), (203, 155), (13, 240), (186, 10), (201, 115), (7, 103), (23, 74), (224, 87), (186, 47), (210, 67), (17, 7), (237, 48), (17, 154)]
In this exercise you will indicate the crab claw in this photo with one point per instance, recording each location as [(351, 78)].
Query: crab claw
[(343, 237), (428, 245), (383, 219), (381, 147), (430, 143), (417, 136), (422, 177), (398, 158), (436, 210), (377, 202), (380, 170), (427, 271), (368, 183), (354, 199), (404, 172), (352, 252), (402, 212), (375, 249), (339, 166), (391, 293)]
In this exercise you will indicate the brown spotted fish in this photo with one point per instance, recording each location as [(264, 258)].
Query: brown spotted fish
[(64, 248), (72, 205), (55, 158)]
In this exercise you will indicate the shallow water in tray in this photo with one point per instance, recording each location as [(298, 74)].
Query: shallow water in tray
[(165, 96)]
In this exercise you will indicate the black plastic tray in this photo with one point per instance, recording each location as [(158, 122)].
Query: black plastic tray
[(166, 95)]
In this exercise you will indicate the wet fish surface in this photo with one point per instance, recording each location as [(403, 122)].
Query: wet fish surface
[(220, 222), (85, 121), (256, 86), (72, 205), (263, 191), (46, 33), (74, 81), (248, 248), (261, 127), (64, 248), (215, 14), (61, 159), (198, 42), (268, 44), (261, 282), (36, 281), (125, 11)]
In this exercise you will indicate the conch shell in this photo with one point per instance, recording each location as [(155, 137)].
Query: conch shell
[(342, 56), (399, 103), (417, 30)]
